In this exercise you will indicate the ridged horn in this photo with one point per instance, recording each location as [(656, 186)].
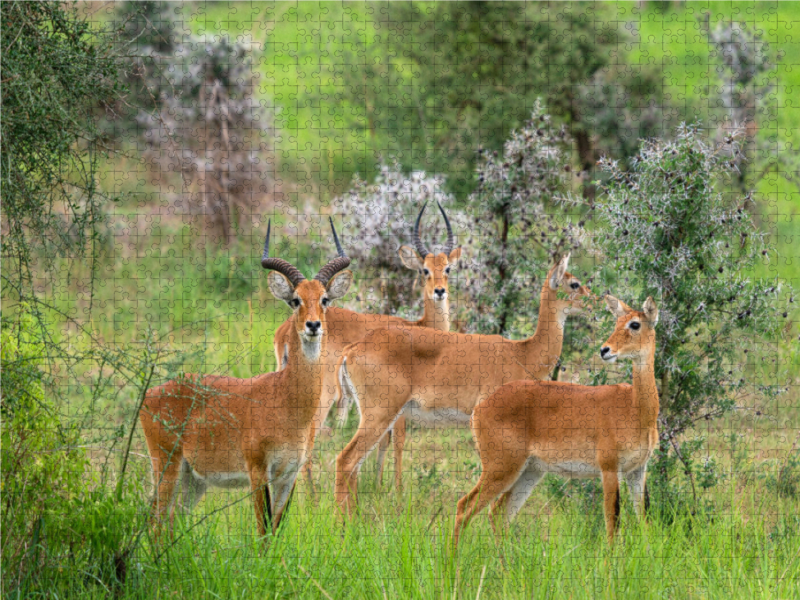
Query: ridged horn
[(278, 264), (451, 239), (423, 251), (337, 264)]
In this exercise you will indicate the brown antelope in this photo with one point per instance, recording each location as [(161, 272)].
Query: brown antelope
[(226, 432), (438, 378), (346, 326), (529, 428)]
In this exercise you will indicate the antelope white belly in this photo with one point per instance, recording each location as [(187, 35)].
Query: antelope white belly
[(568, 468), (437, 417), (224, 480)]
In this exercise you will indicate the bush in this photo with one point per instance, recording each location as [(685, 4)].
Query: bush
[(56, 513), (518, 228), (672, 231)]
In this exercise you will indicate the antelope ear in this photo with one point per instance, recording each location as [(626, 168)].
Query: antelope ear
[(558, 272), (410, 258), (339, 284), (617, 307), (280, 286), (454, 255), (650, 310)]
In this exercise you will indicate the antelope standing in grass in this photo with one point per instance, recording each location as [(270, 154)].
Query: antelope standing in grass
[(438, 378), (229, 432), (346, 326), (529, 428)]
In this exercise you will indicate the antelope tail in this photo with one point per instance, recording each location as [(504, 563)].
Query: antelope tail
[(346, 391)]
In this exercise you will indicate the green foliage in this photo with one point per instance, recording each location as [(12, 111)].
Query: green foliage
[(468, 73), (56, 71), (675, 233), (54, 509), (148, 31)]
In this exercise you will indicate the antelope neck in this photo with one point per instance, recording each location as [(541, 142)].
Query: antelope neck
[(436, 315), (548, 340), (645, 392), (307, 372)]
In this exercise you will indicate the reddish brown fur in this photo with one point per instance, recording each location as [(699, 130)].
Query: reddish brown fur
[(453, 371), (528, 428), (261, 426), (346, 326)]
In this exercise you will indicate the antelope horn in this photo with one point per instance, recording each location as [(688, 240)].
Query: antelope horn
[(335, 265), (450, 237), (278, 264), (423, 251)]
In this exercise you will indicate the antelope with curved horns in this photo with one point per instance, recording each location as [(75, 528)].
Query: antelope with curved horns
[(228, 432), (346, 326), (529, 428), (438, 378)]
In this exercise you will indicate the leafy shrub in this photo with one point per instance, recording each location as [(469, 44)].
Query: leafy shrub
[(55, 513), (674, 232)]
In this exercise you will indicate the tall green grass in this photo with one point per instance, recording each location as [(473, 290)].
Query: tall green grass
[(399, 546)]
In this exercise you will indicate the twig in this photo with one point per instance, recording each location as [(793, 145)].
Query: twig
[(480, 585), (130, 434), (315, 582), (433, 518)]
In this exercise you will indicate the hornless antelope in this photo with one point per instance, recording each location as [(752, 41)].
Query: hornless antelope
[(224, 431), (529, 428), (346, 326), (438, 378)]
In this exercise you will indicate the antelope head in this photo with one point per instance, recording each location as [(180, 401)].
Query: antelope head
[(308, 299), (564, 289), (434, 268), (634, 335)]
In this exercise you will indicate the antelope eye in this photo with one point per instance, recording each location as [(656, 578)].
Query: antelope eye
[(447, 271), (426, 272), (325, 301), (635, 325), (295, 302), (574, 285)]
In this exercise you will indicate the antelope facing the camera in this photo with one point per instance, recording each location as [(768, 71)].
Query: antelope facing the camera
[(229, 432), (346, 326), (438, 378), (529, 428)]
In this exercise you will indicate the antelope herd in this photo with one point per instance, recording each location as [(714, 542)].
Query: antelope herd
[(228, 432)]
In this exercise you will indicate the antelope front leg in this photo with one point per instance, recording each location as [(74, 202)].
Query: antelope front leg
[(611, 502), (636, 480), (262, 502), (399, 439), (350, 459)]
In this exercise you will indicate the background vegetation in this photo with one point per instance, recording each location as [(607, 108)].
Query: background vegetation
[(130, 246)]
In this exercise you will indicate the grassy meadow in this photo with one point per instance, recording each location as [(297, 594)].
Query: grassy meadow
[(209, 308)]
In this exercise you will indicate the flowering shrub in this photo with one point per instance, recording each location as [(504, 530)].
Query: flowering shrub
[(378, 218), (674, 231), (518, 229)]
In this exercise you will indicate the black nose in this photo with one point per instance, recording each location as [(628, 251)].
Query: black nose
[(604, 350), (439, 291), (313, 326)]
